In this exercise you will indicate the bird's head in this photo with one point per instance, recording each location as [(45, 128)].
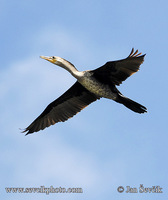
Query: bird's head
[(53, 59)]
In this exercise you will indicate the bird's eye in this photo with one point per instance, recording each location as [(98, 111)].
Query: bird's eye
[(53, 57)]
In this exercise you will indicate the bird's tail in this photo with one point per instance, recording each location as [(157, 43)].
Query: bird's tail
[(134, 106)]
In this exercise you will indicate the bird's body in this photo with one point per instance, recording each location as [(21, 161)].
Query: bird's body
[(97, 88), (90, 86)]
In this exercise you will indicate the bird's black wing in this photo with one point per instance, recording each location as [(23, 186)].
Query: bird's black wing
[(63, 108), (115, 72)]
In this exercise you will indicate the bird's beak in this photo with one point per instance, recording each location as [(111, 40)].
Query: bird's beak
[(50, 59)]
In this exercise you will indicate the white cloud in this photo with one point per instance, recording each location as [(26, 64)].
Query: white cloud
[(65, 43)]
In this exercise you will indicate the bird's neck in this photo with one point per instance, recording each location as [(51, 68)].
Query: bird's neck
[(71, 68)]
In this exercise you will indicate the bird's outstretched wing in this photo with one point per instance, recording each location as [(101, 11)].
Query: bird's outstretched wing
[(115, 72), (63, 108)]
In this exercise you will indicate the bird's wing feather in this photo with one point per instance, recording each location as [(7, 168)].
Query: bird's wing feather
[(115, 72), (63, 108)]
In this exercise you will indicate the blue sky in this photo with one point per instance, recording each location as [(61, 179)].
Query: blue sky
[(105, 145)]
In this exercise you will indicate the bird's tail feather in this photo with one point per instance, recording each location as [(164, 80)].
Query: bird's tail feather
[(134, 106)]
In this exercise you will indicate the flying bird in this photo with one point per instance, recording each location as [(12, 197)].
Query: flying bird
[(90, 86)]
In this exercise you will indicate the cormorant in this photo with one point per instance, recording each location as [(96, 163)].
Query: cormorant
[(90, 86)]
